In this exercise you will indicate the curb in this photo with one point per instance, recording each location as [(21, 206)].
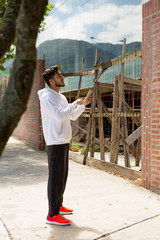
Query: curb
[(106, 166)]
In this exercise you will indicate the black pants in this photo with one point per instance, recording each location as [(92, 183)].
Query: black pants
[(58, 172)]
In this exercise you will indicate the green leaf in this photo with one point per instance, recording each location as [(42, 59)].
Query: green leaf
[(11, 53), (49, 8)]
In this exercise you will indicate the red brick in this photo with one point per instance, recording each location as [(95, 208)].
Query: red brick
[(29, 128), (158, 9), (155, 152), (157, 105), (155, 111), (142, 11), (155, 162), (155, 142), (156, 5), (155, 101), (155, 183), (155, 85), (155, 173)]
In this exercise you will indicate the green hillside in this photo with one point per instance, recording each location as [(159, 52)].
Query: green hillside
[(69, 53), (116, 49)]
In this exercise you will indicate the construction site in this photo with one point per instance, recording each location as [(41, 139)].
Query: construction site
[(109, 50), (113, 120), (120, 128)]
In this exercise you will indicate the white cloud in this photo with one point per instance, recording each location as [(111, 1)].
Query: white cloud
[(144, 1), (128, 24), (106, 22), (62, 7)]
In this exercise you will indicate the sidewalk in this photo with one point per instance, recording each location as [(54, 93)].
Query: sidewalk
[(105, 206)]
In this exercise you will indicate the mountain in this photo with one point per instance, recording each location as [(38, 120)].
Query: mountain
[(116, 49), (69, 54)]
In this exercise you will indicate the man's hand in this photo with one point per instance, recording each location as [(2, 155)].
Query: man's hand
[(89, 100), (80, 101)]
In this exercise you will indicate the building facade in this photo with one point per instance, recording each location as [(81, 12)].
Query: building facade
[(151, 95)]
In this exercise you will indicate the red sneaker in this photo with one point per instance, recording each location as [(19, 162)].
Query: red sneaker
[(65, 211), (58, 220)]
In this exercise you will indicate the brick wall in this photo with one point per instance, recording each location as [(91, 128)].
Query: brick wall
[(29, 128), (0, 93), (151, 95)]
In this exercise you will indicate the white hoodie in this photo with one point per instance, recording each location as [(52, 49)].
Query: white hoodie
[(56, 114)]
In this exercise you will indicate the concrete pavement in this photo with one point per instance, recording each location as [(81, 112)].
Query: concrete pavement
[(105, 206)]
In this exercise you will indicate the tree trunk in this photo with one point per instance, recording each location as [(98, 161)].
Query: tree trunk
[(8, 26), (15, 100)]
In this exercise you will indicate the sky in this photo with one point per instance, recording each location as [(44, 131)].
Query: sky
[(94, 21)]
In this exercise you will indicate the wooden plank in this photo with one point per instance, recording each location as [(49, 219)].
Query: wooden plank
[(74, 74), (106, 85), (106, 110), (81, 133), (99, 75), (125, 135), (123, 109), (133, 136), (82, 129), (93, 106), (138, 152), (127, 58), (74, 129), (126, 86), (118, 84), (132, 81), (80, 78), (104, 65), (114, 168), (117, 114), (86, 147), (91, 125), (135, 119), (107, 144), (115, 131), (132, 87), (131, 148), (109, 110), (100, 122), (106, 166), (97, 141)]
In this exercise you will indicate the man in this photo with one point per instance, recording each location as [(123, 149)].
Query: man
[(56, 115)]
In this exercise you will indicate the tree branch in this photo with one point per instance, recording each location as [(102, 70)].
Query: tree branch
[(8, 26), (20, 83)]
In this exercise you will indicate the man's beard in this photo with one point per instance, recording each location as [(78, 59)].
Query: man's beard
[(59, 85)]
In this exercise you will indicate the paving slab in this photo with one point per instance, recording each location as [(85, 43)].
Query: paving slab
[(105, 206), (3, 232), (147, 229)]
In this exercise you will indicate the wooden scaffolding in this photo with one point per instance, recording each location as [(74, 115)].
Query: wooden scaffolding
[(117, 117)]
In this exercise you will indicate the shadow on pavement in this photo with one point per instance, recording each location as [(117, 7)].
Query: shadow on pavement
[(20, 162), (73, 232)]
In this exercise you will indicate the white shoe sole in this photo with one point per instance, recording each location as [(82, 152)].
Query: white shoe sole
[(59, 224), (65, 213)]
